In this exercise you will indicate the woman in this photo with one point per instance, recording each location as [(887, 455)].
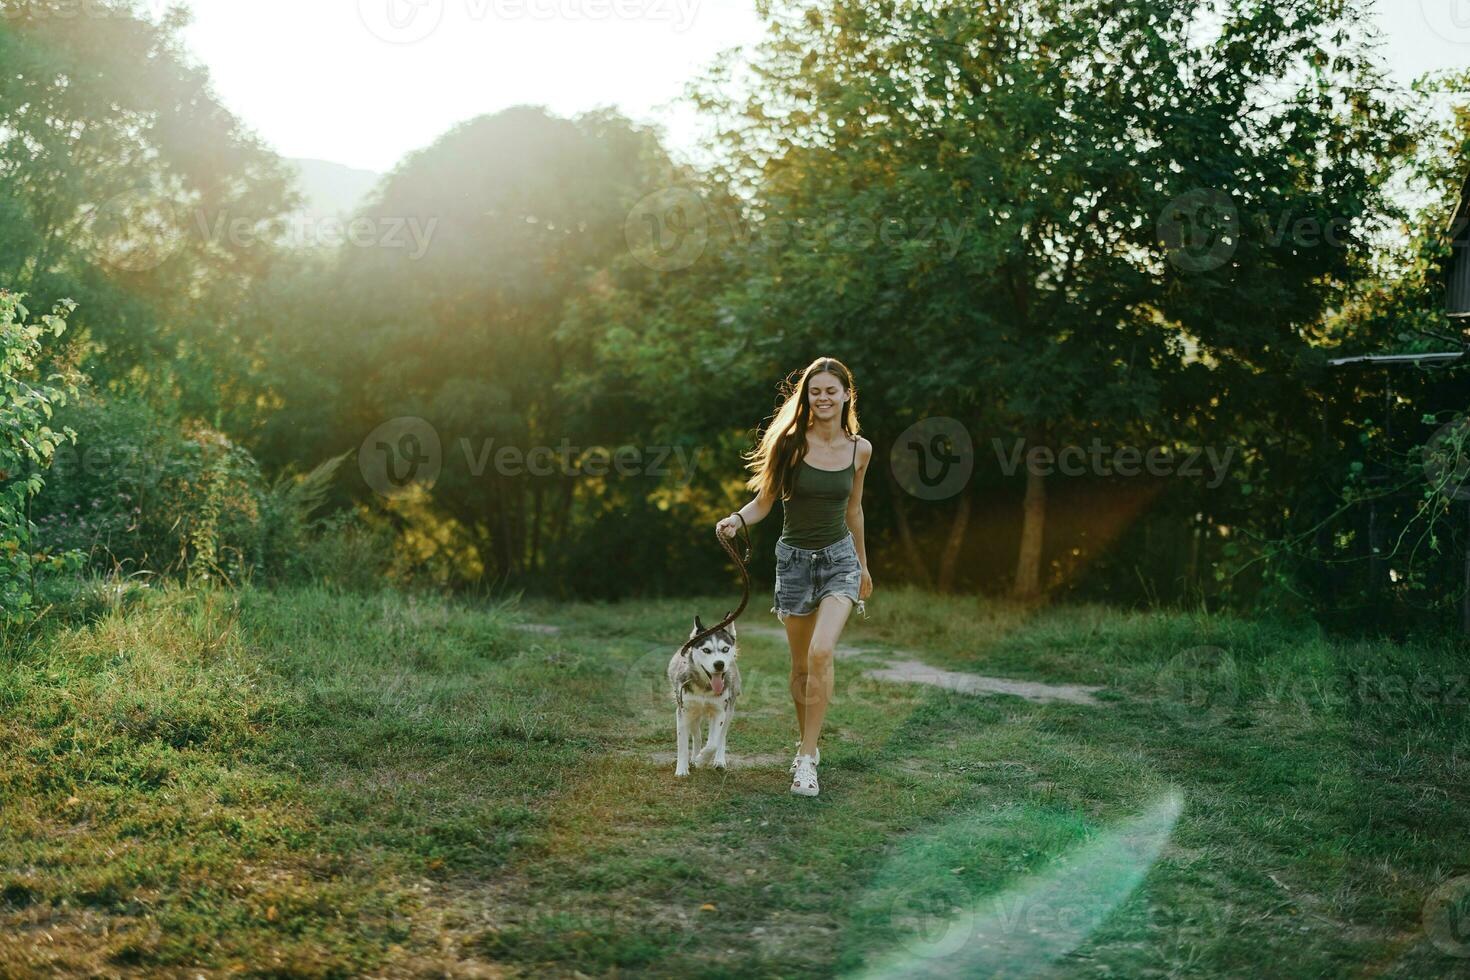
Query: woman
[(812, 458)]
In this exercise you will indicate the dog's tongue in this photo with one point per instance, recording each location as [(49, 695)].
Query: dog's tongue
[(717, 681)]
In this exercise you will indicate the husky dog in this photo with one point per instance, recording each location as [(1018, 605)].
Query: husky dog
[(704, 682)]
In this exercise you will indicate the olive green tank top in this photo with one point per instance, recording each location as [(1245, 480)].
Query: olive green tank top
[(815, 516)]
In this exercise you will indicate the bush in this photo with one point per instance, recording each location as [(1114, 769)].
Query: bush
[(346, 552), (142, 491), (27, 445)]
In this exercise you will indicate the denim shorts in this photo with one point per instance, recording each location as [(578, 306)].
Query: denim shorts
[(804, 576)]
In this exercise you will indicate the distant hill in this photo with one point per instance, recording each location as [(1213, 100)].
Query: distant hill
[(332, 188), (333, 191)]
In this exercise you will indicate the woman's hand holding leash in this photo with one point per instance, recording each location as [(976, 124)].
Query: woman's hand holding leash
[(729, 526)]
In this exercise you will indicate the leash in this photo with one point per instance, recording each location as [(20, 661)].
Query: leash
[(730, 617)]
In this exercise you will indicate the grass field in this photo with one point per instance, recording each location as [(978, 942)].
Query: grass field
[(306, 783)]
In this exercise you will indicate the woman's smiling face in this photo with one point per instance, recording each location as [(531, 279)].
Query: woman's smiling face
[(825, 395)]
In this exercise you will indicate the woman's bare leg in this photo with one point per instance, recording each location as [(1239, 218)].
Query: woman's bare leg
[(831, 616), (799, 638)]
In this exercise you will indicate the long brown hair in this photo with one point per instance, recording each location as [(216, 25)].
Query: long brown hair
[(782, 445)]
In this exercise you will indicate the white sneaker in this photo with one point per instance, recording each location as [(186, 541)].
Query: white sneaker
[(805, 781), (817, 758)]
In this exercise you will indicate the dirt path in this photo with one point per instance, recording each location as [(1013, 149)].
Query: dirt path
[(909, 669)]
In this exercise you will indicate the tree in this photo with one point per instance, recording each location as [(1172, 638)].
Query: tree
[(1072, 144), (1359, 502), (515, 215), (126, 185)]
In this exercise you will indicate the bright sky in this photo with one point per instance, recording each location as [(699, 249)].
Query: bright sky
[(362, 82)]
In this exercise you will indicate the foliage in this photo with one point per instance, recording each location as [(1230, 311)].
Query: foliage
[(348, 552), (28, 442), (1355, 502), (517, 212), (144, 492), (993, 212), (286, 508), (1143, 224), (126, 185)]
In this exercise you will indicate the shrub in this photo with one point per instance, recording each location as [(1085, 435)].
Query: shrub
[(347, 552), (27, 445), (143, 491)]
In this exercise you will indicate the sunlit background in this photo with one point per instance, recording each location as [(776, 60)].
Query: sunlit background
[(339, 91), (346, 536)]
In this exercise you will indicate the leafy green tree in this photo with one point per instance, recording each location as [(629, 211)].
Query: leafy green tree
[(27, 445), (507, 218), (1359, 495), (126, 185), (1116, 171)]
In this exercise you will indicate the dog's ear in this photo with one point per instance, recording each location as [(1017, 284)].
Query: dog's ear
[(698, 627)]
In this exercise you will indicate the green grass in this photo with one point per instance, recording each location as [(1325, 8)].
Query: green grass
[(307, 783)]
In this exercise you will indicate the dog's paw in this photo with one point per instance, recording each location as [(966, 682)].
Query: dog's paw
[(719, 762), (681, 771), (704, 757)]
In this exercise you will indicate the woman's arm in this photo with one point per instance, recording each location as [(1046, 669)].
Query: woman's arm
[(855, 502), (756, 511), (855, 524), (753, 512), (855, 518)]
